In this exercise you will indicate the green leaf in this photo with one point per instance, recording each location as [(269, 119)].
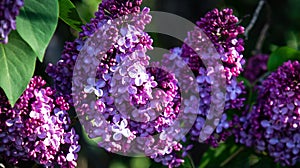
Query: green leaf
[(36, 24), (17, 62), (87, 8), (140, 162), (227, 155), (69, 14), (281, 55)]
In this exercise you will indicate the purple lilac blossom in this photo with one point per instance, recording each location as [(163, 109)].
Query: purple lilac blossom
[(132, 79), (130, 42), (9, 9), (37, 128), (122, 128), (272, 125), (222, 29), (255, 67)]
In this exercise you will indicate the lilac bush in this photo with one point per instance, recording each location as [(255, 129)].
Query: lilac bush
[(131, 105)]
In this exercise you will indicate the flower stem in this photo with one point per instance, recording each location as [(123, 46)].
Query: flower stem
[(232, 156)]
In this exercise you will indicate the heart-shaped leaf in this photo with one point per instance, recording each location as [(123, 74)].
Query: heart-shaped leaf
[(36, 24), (17, 62)]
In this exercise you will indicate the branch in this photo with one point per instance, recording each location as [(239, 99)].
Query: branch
[(261, 39), (254, 18), (263, 33)]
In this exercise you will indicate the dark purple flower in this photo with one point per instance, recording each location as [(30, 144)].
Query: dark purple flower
[(272, 125), (223, 30), (37, 128), (9, 9)]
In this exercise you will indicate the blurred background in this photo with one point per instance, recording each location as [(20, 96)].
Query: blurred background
[(281, 17)]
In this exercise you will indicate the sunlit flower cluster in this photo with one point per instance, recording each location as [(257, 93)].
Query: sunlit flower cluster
[(37, 128)]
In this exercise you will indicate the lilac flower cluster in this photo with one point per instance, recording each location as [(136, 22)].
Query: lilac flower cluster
[(9, 9), (37, 128), (256, 66), (222, 29), (124, 85), (130, 42), (272, 125)]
